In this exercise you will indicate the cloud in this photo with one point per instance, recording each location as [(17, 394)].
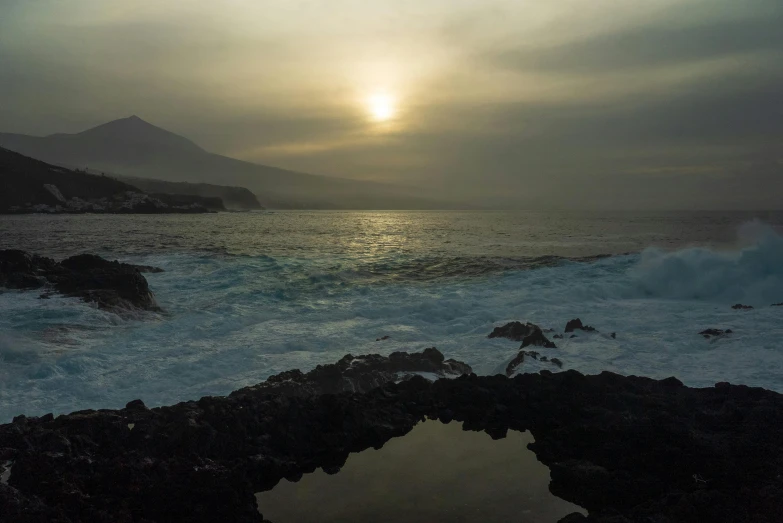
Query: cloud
[(663, 44), (520, 103)]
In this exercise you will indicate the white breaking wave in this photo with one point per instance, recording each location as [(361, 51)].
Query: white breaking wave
[(232, 321), (753, 273)]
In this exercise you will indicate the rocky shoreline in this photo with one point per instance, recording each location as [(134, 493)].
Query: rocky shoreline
[(109, 285), (627, 449)]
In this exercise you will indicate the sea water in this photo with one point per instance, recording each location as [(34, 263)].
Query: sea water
[(249, 295)]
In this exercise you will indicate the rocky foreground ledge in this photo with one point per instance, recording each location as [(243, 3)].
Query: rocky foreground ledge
[(628, 449), (108, 284)]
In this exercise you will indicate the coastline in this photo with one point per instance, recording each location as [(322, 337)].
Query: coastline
[(624, 448)]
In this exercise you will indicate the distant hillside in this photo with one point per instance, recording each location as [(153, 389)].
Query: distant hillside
[(133, 147), (22, 180), (234, 198), (28, 185)]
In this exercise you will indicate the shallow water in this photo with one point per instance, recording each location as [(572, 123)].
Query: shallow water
[(436, 472), (250, 295)]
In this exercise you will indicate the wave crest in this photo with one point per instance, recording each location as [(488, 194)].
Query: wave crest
[(753, 273)]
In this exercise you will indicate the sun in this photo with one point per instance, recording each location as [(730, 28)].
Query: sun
[(381, 106)]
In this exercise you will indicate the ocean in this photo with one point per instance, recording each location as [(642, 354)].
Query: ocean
[(248, 295)]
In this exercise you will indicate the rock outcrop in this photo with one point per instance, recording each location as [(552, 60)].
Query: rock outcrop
[(519, 359), (359, 374), (715, 333), (627, 449), (537, 339), (515, 331), (109, 284), (576, 324)]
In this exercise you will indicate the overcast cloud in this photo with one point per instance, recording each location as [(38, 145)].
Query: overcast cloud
[(610, 104)]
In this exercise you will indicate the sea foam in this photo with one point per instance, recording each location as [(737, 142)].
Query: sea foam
[(232, 321)]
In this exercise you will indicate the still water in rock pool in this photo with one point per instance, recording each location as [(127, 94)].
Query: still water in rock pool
[(437, 472)]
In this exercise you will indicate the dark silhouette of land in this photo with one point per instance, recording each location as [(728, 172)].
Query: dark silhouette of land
[(234, 198), (29, 185), (133, 147)]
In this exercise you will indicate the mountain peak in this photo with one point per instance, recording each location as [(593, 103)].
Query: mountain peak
[(134, 130)]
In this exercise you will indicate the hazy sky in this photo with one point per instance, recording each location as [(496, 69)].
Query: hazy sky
[(504, 99)]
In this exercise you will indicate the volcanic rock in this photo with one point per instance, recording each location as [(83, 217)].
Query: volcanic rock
[(359, 373), (625, 448), (110, 285), (715, 333), (537, 339), (515, 331), (576, 324)]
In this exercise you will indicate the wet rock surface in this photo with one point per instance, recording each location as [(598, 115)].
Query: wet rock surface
[(715, 333), (741, 307), (359, 374), (109, 284), (515, 331), (625, 448), (576, 324), (537, 339)]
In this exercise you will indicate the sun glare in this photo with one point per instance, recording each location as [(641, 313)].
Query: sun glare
[(381, 107)]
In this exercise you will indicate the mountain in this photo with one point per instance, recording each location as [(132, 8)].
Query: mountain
[(133, 147), (234, 198), (29, 185)]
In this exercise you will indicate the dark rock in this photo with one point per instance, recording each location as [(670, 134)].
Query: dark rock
[(558, 336), (576, 324), (359, 374), (575, 517), (627, 449), (671, 381), (518, 360), (777, 304), (742, 307), (613, 335), (571, 337), (515, 331), (149, 269), (715, 333), (45, 296), (383, 338), (136, 405), (110, 285), (537, 339)]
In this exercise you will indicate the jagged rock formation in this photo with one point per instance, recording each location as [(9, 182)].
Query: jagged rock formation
[(576, 324), (628, 449), (515, 331), (359, 374), (108, 284), (715, 333)]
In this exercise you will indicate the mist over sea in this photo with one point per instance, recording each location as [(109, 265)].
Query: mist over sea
[(248, 295)]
